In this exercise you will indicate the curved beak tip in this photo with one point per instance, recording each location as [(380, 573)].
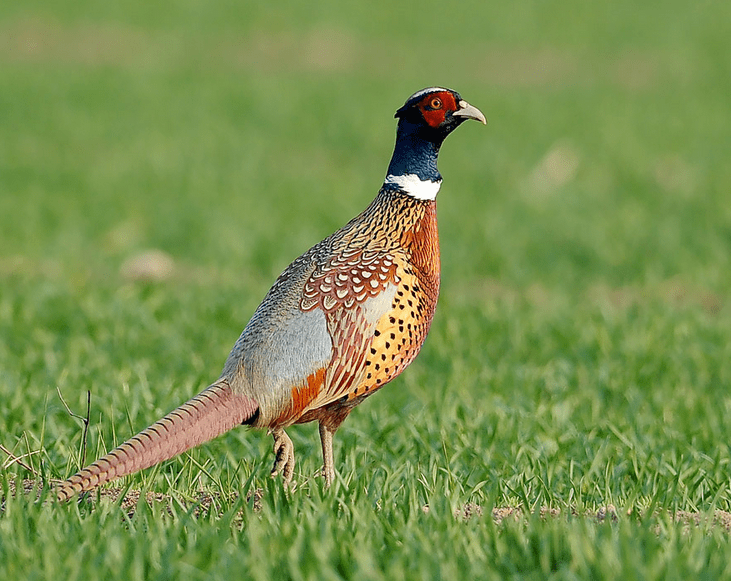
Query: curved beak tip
[(468, 111)]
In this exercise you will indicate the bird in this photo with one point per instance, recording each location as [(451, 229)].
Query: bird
[(342, 320)]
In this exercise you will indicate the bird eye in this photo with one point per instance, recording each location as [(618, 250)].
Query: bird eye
[(435, 103)]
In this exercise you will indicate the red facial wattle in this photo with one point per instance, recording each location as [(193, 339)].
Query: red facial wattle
[(435, 106)]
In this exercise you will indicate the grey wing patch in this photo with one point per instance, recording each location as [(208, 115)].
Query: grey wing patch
[(300, 347), (280, 347)]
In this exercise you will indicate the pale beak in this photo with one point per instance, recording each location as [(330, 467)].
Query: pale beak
[(470, 112)]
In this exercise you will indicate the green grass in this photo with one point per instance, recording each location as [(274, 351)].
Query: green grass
[(580, 355)]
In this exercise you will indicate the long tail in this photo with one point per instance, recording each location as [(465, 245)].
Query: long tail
[(214, 411)]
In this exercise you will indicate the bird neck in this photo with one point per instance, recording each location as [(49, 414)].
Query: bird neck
[(413, 168)]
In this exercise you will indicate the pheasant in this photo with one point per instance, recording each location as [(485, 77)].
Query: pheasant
[(339, 323)]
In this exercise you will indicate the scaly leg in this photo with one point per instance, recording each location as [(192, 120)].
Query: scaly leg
[(328, 464), (284, 456)]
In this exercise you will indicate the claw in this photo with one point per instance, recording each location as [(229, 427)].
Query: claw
[(284, 456), (328, 473)]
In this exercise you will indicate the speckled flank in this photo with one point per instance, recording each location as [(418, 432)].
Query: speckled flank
[(400, 334), (363, 364)]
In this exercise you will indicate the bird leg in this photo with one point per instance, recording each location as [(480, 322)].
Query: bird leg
[(284, 456), (328, 467)]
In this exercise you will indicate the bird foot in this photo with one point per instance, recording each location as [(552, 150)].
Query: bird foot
[(328, 474), (284, 457)]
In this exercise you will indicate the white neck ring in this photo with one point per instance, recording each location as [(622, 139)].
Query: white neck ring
[(414, 186)]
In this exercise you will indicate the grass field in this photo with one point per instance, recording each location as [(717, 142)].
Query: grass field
[(580, 355)]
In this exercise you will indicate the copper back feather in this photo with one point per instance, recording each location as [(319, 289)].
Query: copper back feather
[(211, 413)]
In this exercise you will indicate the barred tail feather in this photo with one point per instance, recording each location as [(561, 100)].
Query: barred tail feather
[(214, 411)]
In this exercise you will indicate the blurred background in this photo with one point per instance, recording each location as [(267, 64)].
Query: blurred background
[(162, 162), (235, 134)]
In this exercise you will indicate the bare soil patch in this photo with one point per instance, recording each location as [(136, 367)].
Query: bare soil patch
[(205, 501)]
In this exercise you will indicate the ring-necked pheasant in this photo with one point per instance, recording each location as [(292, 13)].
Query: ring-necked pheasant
[(340, 322)]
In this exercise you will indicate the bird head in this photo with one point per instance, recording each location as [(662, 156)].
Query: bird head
[(425, 120), (437, 111)]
